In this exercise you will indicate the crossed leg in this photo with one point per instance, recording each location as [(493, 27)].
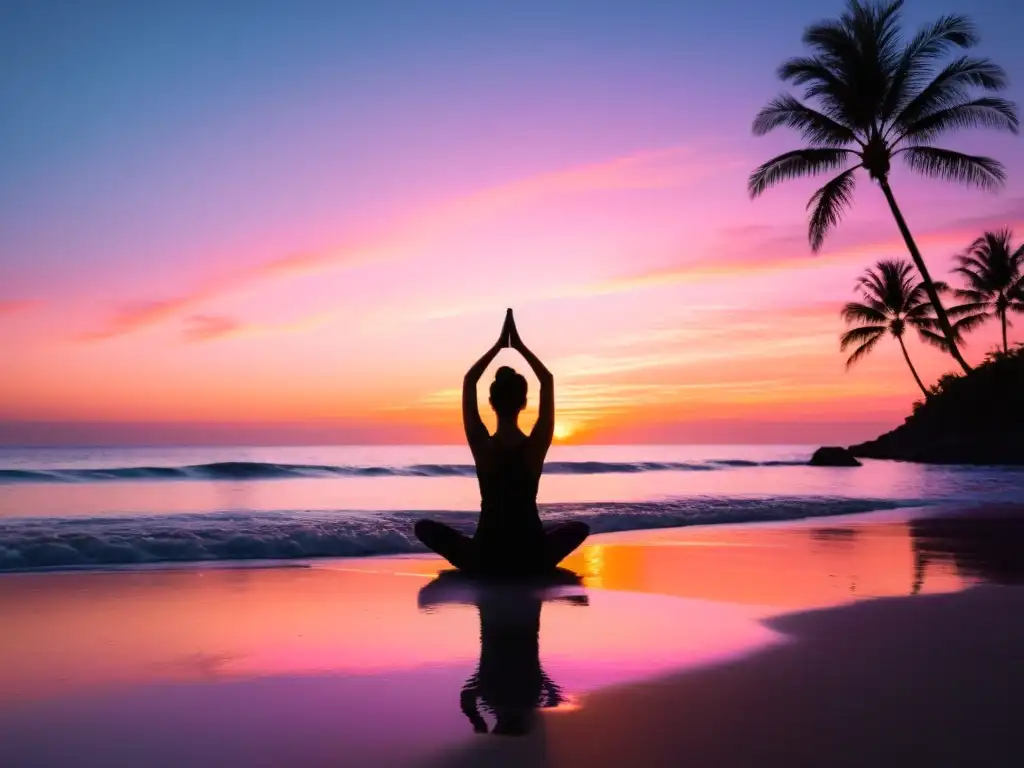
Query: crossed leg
[(457, 548), (562, 538), (460, 550)]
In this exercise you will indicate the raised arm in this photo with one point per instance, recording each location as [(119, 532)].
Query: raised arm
[(476, 432), (544, 429)]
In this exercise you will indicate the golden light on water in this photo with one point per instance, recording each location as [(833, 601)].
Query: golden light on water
[(594, 555)]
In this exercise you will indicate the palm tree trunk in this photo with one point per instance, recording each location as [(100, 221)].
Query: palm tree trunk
[(1002, 316), (929, 286), (911, 366)]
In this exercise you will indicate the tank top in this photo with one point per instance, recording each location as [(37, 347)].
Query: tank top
[(509, 533)]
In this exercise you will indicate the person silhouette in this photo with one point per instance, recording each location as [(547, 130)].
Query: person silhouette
[(510, 540), (509, 681)]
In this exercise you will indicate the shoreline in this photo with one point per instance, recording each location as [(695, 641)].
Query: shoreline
[(896, 511), (824, 641)]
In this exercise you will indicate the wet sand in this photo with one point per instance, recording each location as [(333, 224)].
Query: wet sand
[(889, 639), (931, 681)]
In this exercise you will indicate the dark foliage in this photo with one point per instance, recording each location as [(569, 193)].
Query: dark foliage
[(976, 418)]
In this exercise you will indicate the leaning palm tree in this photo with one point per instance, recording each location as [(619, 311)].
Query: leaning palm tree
[(877, 95), (994, 270), (891, 300)]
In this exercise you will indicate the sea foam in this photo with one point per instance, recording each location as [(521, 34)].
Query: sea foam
[(30, 543)]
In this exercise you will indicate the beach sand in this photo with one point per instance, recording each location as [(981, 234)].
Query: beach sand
[(887, 639)]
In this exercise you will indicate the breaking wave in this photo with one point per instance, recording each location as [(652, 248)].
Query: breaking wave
[(30, 543), (249, 470)]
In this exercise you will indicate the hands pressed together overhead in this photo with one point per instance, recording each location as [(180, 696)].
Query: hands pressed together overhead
[(509, 334)]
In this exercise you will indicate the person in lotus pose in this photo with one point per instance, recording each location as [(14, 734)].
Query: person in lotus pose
[(510, 540)]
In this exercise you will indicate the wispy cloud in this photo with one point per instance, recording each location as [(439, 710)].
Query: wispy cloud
[(138, 315), (201, 328), (208, 327), (654, 169), (750, 250), (716, 347), (15, 306)]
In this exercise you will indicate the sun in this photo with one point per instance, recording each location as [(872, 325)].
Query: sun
[(564, 430)]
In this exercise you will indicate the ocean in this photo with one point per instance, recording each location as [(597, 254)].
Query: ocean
[(103, 507)]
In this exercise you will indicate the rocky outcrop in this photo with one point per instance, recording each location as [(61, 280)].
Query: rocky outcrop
[(944, 447), (972, 419), (833, 456)]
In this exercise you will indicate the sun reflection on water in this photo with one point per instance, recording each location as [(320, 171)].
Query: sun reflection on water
[(594, 559)]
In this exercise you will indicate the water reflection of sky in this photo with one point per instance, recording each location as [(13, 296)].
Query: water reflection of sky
[(276, 665)]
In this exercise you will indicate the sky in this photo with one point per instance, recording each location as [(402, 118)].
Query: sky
[(301, 222)]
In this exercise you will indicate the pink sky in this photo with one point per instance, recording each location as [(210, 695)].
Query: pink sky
[(266, 277)]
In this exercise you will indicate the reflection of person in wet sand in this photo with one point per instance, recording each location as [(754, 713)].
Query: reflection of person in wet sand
[(509, 682), (510, 539)]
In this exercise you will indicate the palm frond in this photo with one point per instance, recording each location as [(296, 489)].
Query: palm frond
[(937, 38), (832, 40), (972, 261), (990, 242), (890, 281), (986, 112), (930, 43), (933, 338), (991, 267), (791, 165), (873, 283), (863, 350), (975, 279), (977, 303), (952, 84), (809, 70), (922, 311), (1016, 289), (814, 126), (968, 323), (918, 302), (860, 334), (855, 312), (829, 203), (819, 81), (983, 172), (1018, 257)]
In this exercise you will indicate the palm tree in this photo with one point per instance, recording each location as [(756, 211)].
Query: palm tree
[(891, 300), (878, 95), (994, 270)]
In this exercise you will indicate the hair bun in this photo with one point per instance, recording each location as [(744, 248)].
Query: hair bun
[(504, 373)]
